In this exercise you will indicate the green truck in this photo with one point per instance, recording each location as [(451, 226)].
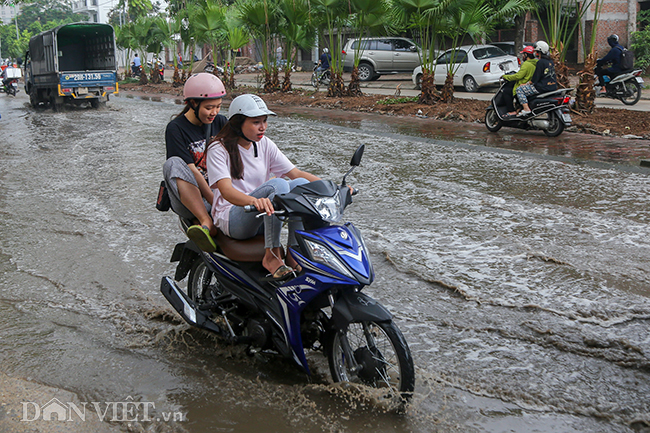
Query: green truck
[(71, 63)]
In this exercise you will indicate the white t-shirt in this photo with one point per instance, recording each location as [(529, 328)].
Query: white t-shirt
[(270, 162)]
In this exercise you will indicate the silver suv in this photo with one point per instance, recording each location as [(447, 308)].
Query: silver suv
[(385, 55)]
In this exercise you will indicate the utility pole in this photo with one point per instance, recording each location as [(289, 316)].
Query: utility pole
[(16, 21)]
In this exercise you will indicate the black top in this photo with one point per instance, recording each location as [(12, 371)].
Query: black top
[(544, 76), (187, 141)]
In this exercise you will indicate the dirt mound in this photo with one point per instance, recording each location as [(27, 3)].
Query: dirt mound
[(603, 121)]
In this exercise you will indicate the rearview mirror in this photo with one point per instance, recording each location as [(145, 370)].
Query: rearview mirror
[(356, 158)]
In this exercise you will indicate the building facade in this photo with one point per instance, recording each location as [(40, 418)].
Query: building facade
[(96, 10)]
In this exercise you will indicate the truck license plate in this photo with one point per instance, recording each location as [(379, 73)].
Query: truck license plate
[(82, 90)]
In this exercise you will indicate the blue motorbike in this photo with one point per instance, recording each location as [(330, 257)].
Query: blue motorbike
[(320, 308)]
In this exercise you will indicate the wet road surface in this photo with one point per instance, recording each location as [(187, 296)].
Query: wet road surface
[(519, 276)]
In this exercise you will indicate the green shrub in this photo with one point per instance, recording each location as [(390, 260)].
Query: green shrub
[(641, 42)]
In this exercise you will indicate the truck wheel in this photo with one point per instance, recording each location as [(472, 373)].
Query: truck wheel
[(56, 104), (33, 99), (96, 103)]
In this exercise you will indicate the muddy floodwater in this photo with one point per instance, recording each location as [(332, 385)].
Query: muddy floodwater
[(520, 279)]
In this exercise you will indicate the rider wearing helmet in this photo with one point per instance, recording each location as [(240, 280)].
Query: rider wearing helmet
[(246, 168), (324, 61), (613, 58), (543, 79), (185, 169), (526, 71)]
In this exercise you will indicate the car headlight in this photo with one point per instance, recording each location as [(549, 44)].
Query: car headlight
[(324, 256), (329, 208)]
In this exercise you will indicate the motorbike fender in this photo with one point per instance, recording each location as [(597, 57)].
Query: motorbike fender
[(357, 307), (185, 254)]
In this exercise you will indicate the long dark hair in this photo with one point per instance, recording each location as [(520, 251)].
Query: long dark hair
[(188, 107), (228, 137)]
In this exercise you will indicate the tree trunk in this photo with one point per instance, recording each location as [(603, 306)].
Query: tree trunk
[(286, 82), (143, 78), (354, 88), (561, 70), (585, 93), (336, 88), (520, 29), (447, 94), (429, 94), (176, 80)]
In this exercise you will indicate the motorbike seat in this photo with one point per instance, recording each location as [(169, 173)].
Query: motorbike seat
[(246, 250), (558, 92)]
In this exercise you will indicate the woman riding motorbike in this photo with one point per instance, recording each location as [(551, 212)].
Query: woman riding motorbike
[(246, 168), (522, 76), (185, 170)]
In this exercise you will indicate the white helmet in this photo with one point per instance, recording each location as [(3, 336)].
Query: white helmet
[(250, 106), (325, 50), (542, 47)]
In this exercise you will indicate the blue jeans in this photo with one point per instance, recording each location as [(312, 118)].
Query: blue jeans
[(244, 225)]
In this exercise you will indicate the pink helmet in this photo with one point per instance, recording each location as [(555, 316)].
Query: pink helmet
[(203, 86)]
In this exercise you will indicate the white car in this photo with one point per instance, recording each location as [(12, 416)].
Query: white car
[(480, 65)]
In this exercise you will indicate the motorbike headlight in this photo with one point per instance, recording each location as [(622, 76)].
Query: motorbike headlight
[(329, 208), (324, 256)]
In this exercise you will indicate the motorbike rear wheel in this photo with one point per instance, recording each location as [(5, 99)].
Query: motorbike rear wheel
[(555, 125), (12, 90), (380, 351), (633, 90), (492, 121), (202, 286)]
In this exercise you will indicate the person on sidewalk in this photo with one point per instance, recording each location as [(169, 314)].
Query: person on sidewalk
[(543, 80), (522, 76), (246, 168), (185, 170)]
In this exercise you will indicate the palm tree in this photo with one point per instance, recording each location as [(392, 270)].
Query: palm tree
[(368, 15), (298, 32), (261, 18), (209, 25), (143, 40), (474, 18), (425, 18), (124, 38), (334, 14), (237, 37), (585, 94), (563, 18)]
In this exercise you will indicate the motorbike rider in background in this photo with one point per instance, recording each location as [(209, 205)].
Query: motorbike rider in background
[(324, 62), (185, 170), (613, 57), (246, 168), (525, 73), (542, 81)]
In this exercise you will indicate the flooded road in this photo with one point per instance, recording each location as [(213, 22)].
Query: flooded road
[(519, 277)]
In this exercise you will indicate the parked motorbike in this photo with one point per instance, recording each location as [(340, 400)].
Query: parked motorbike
[(10, 86), (321, 307), (625, 87), (550, 112), (322, 78), (158, 66)]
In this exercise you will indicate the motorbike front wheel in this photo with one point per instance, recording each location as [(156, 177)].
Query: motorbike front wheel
[(492, 121), (382, 358), (314, 79), (632, 92)]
